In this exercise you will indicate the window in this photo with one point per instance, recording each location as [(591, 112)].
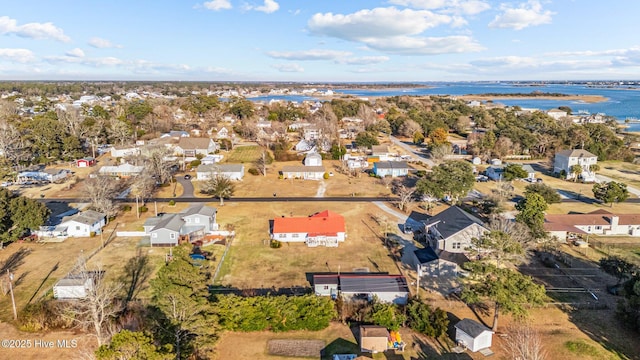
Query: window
[(326, 287), (456, 245), (77, 227), (197, 220), (154, 235), (172, 235), (295, 235), (282, 236), (598, 227)]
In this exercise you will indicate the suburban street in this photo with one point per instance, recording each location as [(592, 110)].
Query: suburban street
[(414, 154)]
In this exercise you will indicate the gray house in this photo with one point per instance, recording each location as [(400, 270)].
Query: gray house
[(452, 230), (387, 288), (429, 263), (190, 225)]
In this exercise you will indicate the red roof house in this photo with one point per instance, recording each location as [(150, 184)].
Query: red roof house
[(86, 162), (323, 228)]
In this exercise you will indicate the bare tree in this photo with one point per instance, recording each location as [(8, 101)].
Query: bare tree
[(155, 163), (97, 310), (72, 120), (11, 145), (143, 185), (120, 131), (524, 343), (261, 163), (405, 194), (519, 232), (409, 127), (100, 191), (440, 152)]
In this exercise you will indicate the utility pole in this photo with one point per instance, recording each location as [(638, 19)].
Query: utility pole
[(418, 281), (137, 208), (13, 300)]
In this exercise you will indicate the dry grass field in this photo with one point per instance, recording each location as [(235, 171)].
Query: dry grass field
[(251, 263)]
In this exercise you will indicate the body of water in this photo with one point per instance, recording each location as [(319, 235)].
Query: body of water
[(621, 102)]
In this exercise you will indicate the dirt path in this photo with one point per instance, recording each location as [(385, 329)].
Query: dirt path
[(322, 188)]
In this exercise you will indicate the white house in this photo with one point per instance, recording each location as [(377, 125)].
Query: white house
[(557, 113), (473, 335), (230, 171), (324, 228), (313, 159), (599, 222), (311, 133), (124, 151), (303, 172), (565, 159), (84, 224), (382, 152), (124, 170), (70, 288), (390, 168)]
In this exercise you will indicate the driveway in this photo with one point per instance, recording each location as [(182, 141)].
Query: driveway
[(632, 190), (187, 187), (415, 155)]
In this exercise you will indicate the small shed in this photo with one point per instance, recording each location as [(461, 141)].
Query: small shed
[(72, 288), (473, 335), (313, 159), (86, 162), (373, 338)]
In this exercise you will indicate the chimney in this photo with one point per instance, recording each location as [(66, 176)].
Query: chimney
[(614, 221)]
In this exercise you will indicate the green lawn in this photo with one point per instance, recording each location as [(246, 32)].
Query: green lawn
[(244, 154)]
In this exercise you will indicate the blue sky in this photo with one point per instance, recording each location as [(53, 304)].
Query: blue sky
[(320, 40)]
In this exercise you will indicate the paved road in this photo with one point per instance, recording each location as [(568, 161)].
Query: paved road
[(239, 199), (631, 189), (417, 156)]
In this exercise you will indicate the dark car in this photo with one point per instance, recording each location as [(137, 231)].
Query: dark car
[(187, 177)]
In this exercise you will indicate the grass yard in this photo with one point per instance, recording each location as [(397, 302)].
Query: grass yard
[(251, 263), (621, 171), (244, 154), (338, 339)]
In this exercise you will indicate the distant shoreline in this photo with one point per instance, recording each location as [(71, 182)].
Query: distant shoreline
[(586, 98)]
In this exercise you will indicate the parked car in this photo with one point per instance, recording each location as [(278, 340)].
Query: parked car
[(187, 177), (407, 229)]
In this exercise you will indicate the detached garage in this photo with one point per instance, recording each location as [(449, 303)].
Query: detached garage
[(473, 335), (72, 288)]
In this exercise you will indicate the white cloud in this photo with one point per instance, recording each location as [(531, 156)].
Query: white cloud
[(288, 67), (363, 60), (17, 55), (100, 43), (375, 23), (527, 14), (77, 52), (408, 45), (268, 7), (394, 31), (96, 62), (217, 5), (32, 30), (314, 54), (466, 7)]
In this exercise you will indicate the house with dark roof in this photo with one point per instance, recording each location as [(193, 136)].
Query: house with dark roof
[(390, 168), (452, 230), (230, 171), (565, 159), (432, 264), (325, 228), (599, 222), (384, 287), (190, 225), (473, 335), (496, 172)]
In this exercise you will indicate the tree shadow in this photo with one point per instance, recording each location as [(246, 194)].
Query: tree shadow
[(424, 350), (14, 260), (339, 346), (578, 288)]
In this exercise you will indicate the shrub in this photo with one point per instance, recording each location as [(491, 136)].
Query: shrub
[(195, 163), (275, 244), (421, 173), (92, 234), (172, 203), (125, 207), (143, 209), (326, 176), (254, 171)]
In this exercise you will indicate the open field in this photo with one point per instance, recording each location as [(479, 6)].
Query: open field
[(244, 154), (251, 263)]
